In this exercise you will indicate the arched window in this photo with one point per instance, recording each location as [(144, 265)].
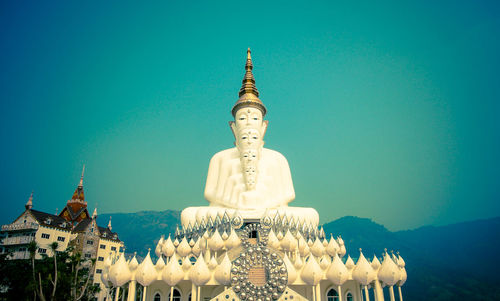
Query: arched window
[(332, 295), (157, 297), (176, 297), (348, 296)]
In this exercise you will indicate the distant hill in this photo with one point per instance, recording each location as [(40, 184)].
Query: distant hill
[(453, 262), (142, 230)]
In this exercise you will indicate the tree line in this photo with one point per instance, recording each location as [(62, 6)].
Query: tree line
[(64, 276)]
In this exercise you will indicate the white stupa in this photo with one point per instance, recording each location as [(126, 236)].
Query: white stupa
[(248, 244)]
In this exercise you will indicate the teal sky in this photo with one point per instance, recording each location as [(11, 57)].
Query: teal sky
[(384, 109)]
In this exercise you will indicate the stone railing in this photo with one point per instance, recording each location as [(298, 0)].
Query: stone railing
[(25, 226), (20, 255), (17, 240)]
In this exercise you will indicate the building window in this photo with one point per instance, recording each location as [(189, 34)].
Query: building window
[(45, 235), (177, 295), (88, 255), (121, 249), (60, 238), (100, 258), (157, 297), (349, 297), (42, 251), (102, 246), (113, 248), (332, 295), (98, 271), (90, 242), (22, 249)]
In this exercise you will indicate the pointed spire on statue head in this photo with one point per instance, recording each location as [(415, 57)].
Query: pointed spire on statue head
[(29, 203), (109, 224), (249, 95), (81, 178)]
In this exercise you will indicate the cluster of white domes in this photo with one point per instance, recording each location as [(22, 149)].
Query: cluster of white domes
[(205, 260)]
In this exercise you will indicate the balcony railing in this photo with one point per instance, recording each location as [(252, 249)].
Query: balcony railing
[(20, 255), (19, 227), (17, 240)]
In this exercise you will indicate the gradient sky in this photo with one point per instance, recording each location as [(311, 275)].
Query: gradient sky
[(384, 109)]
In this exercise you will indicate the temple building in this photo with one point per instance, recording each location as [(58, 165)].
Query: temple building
[(73, 226), (249, 244)]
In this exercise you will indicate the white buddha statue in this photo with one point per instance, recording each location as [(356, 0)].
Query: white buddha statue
[(250, 179), (249, 176)]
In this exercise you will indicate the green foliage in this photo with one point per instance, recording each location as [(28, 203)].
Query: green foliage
[(16, 277)]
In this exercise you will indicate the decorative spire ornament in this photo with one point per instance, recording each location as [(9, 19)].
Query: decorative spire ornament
[(81, 178), (29, 203), (249, 95)]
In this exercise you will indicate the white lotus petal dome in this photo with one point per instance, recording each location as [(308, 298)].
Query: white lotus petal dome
[(168, 248), (233, 241), (133, 264), (215, 243), (389, 272), (200, 274), (337, 272), (212, 264), (196, 250), (349, 264), (146, 272), (172, 273), (363, 271), (333, 247), (183, 249), (312, 273), (223, 271), (119, 273), (325, 262), (375, 263), (317, 248), (159, 246), (160, 264), (186, 263)]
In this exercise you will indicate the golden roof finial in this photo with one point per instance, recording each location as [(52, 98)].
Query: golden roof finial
[(81, 178), (249, 95)]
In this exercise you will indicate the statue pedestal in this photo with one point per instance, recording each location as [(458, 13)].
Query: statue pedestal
[(191, 215)]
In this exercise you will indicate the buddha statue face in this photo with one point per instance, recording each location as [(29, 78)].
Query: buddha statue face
[(248, 118), (249, 156), (248, 138)]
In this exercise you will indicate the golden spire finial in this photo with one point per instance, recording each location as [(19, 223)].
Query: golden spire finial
[(249, 95), (81, 178)]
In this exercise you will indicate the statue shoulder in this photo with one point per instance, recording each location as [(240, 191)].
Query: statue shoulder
[(274, 154), (224, 154)]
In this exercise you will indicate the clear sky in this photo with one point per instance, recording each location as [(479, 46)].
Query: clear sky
[(384, 109)]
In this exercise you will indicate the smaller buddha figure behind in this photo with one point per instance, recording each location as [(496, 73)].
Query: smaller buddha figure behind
[(249, 178)]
